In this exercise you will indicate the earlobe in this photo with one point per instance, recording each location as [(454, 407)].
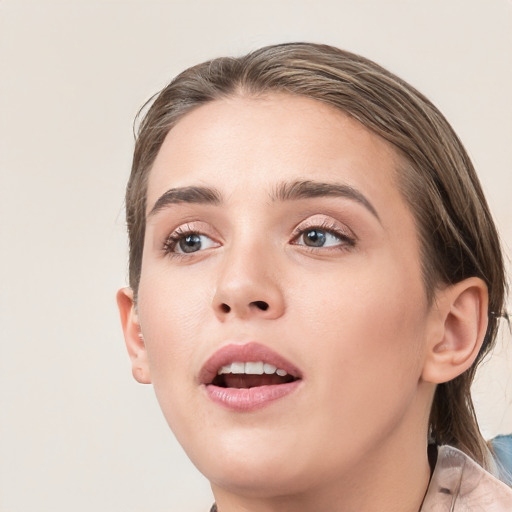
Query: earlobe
[(462, 317), (133, 336)]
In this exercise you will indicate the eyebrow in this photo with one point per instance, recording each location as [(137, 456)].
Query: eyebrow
[(197, 195), (288, 191), (309, 189)]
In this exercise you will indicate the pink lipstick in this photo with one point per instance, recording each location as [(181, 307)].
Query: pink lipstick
[(248, 377)]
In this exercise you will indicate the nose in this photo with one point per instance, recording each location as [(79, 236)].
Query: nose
[(248, 287)]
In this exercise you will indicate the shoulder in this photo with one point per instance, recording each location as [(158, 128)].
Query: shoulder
[(460, 484)]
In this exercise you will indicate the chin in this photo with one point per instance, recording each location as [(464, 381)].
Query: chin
[(255, 467), (259, 479)]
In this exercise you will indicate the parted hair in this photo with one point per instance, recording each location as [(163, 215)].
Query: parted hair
[(458, 238)]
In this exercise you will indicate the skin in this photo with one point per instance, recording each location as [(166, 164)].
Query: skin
[(351, 315)]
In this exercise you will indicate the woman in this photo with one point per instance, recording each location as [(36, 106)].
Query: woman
[(314, 276)]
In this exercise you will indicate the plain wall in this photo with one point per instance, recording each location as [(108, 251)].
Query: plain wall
[(76, 432)]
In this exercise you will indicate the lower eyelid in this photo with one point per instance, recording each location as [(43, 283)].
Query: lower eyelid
[(343, 240)]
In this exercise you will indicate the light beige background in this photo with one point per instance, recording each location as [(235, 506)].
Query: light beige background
[(76, 433)]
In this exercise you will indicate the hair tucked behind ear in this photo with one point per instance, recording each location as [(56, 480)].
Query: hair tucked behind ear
[(458, 237)]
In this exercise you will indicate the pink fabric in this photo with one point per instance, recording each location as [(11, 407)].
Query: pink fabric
[(460, 485)]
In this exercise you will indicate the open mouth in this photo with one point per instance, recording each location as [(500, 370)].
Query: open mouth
[(247, 377), (251, 374)]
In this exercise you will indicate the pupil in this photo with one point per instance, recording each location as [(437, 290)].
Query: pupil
[(315, 238), (190, 243)]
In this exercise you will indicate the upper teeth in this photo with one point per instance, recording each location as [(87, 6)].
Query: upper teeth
[(252, 368)]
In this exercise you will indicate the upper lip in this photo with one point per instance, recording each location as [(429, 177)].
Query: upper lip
[(244, 353)]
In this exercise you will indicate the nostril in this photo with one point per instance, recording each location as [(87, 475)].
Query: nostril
[(260, 304), (225, 308)]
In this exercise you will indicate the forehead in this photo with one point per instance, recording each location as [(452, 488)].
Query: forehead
[(248, 143)]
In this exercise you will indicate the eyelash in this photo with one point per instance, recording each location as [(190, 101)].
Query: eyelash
[(346, 241), (169, 247)]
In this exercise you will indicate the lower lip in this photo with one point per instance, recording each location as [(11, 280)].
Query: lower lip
[(249, 399)]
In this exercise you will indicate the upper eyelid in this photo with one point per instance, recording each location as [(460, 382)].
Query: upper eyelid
[(318, 220), (194, 226), (326, 223), (183, 229)]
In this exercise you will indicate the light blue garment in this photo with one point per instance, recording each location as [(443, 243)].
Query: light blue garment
[(502, 446)]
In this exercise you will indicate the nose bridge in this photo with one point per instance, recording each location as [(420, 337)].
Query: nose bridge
[(247, 283)]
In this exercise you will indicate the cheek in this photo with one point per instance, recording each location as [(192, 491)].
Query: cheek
[(363, 338), (172, 313), (367, 322), (171, 320)]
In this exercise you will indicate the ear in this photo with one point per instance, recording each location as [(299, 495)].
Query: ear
[(133, 336), (461, 318)]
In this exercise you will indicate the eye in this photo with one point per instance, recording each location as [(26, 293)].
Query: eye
[(316, 237), (325, 234), (187, 243)]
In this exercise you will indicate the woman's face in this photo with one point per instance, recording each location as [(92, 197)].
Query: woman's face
[(276, 235)]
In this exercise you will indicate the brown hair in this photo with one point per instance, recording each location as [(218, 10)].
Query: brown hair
[(457, 234)]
